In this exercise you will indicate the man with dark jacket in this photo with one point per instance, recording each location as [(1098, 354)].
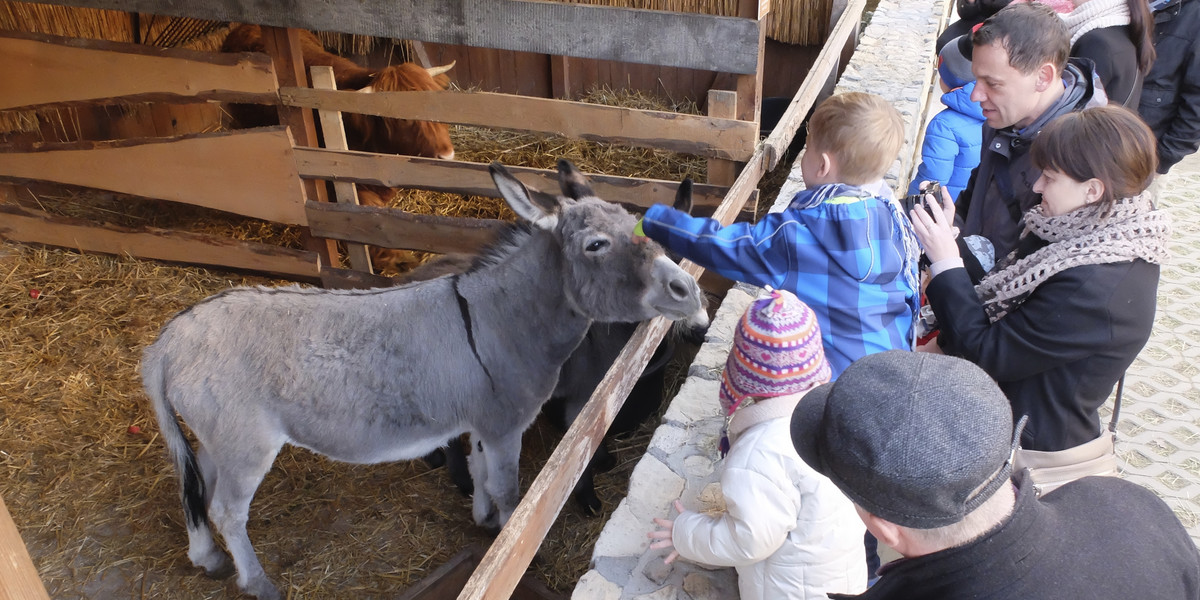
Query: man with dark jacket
[(1171, 92), (922, 444), (1023, 81)]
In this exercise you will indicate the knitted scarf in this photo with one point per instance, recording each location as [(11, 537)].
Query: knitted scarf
[(1133, 229), (1095, 14)]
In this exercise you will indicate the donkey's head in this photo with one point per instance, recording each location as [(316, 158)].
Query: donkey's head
[(606, 276)]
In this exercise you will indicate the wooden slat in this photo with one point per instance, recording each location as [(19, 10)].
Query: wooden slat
[(334, 134), (394, 228), (250, 172), (18, 578), (696, 41), (509, 556), (692, 134), (35, 227), (284, 48), (472, 178), (45, 69)]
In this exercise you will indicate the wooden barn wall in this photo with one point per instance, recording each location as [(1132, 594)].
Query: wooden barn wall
[(531, 74)]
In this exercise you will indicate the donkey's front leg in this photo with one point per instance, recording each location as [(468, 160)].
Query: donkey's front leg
[(482, 507), (503, 484)]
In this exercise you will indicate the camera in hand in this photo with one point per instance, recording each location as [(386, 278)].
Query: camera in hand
[(912, 201)]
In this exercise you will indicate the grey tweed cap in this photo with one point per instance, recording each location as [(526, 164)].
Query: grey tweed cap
[(918, 439)]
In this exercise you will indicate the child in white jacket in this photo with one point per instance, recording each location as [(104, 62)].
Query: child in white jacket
[(788, 530)]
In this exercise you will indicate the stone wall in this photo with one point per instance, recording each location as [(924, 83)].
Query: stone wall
[(895, 60)]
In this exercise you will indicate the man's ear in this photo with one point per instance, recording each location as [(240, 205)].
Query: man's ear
[(1046, 75), (885, 531)]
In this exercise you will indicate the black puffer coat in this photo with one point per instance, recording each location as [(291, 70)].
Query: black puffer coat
[(1171, 92)]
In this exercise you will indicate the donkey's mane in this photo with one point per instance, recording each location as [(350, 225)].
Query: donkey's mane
[(508, 240)]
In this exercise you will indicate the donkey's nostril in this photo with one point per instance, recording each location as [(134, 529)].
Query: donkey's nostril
[(679, 289)]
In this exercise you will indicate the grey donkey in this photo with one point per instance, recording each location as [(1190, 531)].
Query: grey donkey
[(367, 376)]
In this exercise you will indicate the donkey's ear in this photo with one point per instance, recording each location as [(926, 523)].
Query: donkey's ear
[(683, 196), (573, 183), (537, 208)]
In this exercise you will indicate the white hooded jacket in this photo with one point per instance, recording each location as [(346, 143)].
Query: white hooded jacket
[(787, 529)]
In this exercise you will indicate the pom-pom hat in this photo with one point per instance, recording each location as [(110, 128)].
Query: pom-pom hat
[(776, 352)]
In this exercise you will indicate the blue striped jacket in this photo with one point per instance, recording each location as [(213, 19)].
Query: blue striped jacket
[(849, 255)]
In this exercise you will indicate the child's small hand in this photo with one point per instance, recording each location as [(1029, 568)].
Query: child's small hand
[(934, 226), (662, 536)]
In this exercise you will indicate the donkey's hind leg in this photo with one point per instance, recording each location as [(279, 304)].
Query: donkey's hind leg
[(238, 477), (202, 548)]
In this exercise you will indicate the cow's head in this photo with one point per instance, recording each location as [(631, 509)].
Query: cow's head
[(403, 136)]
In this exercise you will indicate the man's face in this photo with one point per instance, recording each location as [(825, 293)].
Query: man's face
[(1007, 96)]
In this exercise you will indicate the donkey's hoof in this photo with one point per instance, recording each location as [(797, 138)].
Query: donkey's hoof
[(216, 564), (591, 505), (262, 588), (220, 571)]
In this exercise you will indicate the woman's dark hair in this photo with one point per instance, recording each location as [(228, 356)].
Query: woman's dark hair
[(1141, 33), (1109, 143)]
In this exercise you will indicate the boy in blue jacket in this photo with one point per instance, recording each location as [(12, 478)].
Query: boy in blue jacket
[(846, 252), (954, 136)]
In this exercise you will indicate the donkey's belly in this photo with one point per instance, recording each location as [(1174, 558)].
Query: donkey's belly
[(376, 446)]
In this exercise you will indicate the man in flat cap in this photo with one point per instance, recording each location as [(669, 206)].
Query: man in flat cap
[(923, 444)]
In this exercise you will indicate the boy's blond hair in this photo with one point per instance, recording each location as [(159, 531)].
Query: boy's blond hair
[(862, 132)]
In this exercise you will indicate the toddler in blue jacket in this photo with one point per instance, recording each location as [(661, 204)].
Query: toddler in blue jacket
[(954, 136), (846, 252)]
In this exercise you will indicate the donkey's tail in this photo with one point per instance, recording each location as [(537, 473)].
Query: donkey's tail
[(191, 481)]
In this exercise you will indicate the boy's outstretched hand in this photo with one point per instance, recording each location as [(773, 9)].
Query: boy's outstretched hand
[(662, 535), (934, 226)]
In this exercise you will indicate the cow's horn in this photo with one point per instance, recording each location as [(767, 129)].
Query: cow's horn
[(435, 71)]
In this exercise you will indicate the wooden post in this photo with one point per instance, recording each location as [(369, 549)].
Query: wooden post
[(335, 139), (722, 104), (18, 578), (283, 45), (749, 87), (560, 77)]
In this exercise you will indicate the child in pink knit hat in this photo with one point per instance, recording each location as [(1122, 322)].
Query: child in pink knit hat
[(788, 530)]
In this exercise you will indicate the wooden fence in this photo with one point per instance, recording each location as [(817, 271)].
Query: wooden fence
[(272, 173)]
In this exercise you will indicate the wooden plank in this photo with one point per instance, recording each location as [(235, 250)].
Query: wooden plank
[(727, 44), (249, 172), (392, 170), (34, 227), (284, 47), (690, 134), (394, 228), (509, 556), (46, 69), (19, 579), (334, 133)]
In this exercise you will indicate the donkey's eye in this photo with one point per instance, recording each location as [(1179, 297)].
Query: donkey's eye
[(597, 245)]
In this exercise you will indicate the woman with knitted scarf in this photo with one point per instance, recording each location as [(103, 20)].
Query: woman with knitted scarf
[(1117, 35), (1058, 321)]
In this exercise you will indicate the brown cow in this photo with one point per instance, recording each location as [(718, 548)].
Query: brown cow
[(388, 261), (363, 132)]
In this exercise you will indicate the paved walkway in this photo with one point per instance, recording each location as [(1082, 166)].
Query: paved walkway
[(1159, 427)]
